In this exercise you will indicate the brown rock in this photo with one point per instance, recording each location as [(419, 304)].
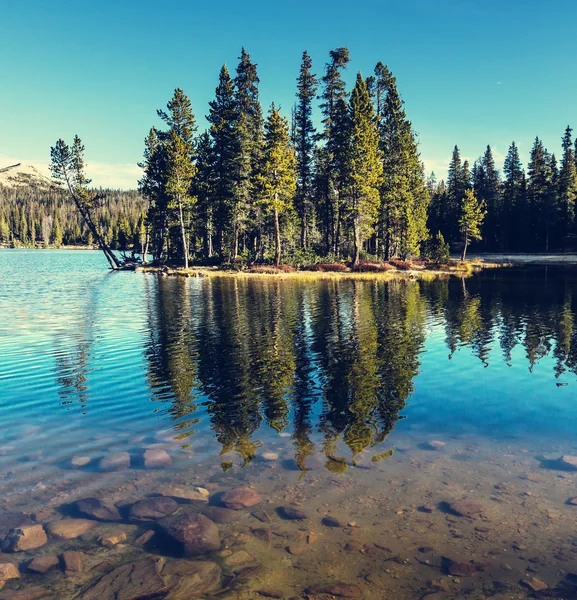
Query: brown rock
[(291, 513), (152, 509), (155, 458), (27, 537), (143, 539), (8, 571), (340, 590), (29, 593), (220, 515), (466, 508), (296, 550), (187, 578), (72, 562), (534, 584), (353, 547), (134, 581), (192, 533), (261, 515), (333, 522), (262, 533), (110, 540), (43, 564), (93, 508), (239, 559), (42, 515), (69, 529), (462, 569), (184, 494), (271, 593), (241, 497), (567, 462), (115, 462), (572, 501)]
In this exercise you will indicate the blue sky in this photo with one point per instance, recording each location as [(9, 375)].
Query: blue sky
[(470, 73)]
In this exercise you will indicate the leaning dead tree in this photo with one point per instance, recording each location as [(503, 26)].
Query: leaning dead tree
[(67, 168)]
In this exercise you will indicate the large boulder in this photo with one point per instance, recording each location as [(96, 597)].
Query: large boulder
[(11, 520), (68, 529), (8, 571), (152, 509), (188, 578), (43, 564), (193, 534), (93, 508), (156, 458), (241, 497), (27, 537), (72, 563), (115, 462), (134, 581)]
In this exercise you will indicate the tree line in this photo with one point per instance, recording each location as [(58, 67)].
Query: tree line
[(36, 216), (252, 186)]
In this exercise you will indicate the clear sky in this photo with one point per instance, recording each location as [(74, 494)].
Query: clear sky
[(471, 73)]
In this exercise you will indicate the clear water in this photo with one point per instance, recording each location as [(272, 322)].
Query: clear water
[(331, 376)]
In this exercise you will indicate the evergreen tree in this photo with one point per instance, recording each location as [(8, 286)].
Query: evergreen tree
[(304, 143), (223, 119), (515, 222), (487, 186), (456, 187), (250, 138), (204, 190), (364, 166), (567, 187), (541, 195), (473, 212), (335, 110), (278, 177)]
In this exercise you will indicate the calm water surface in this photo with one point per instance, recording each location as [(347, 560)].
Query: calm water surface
[(324, 395)]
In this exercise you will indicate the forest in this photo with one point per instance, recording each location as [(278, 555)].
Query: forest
[(263, 188)]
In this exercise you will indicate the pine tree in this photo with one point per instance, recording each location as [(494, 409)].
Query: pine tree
[(567, 187), (542, 195), (487, 186), (278, 177), (204, 190), (223, 119), (364, 166), (473, 212), (304, 143), (458, 181), (250, 138), (404, 196), (515, 222), (335, 134)]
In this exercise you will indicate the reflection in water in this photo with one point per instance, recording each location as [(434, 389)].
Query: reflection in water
[(337, 359)]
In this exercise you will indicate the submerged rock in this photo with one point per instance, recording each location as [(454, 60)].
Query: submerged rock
[(93, 508), (155, 458), (239, 560), (462, 569), (567, 462), (534, 584), (291, 513), (187, 578), (185, 494), (72, 562), (466, 508), (220, 515), (333, 522), (194, 534), (110, 540), (340, 590), (262, 515), (115, 462), (143, 539), (241, 497), (69, 529), (435, 445), (43, 564), (8, 571), (152, 509), (134, 581), (78, 461), (11, 520), (27, 537)]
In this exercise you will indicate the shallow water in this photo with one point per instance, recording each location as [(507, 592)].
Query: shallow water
[(321, 395)]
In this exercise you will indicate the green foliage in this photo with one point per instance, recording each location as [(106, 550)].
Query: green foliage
[(473, 213), (436, 249)]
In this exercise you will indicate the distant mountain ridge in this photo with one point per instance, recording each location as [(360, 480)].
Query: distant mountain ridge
[(19, 175)]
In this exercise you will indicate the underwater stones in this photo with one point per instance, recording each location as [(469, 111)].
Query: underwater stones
[(72, 562), (152, 509), (572, 501), (43, 564), (194, 534), (567, 462), (333, 522), (93, 508), (69, 529), (534, 584), (155, 458), (340, 590), (239, 560), (466, 507), (184, 494), (435, 445), (291, 513), (187, 578), (296, 550), (10, 520), (8, 571), (269, 456), (115, 462), (110, 540), (220, 515), (78, 461), (261, 515), (27, 537), (143, 539), (462, 569), (262, 533), (241, 497), (137, 580)]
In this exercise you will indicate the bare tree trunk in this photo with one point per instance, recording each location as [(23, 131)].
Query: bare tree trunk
[(357, 238), (464, 254), (276, 239), (183, 233)]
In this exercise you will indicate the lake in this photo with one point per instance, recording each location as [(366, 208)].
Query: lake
[(391, 439)]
